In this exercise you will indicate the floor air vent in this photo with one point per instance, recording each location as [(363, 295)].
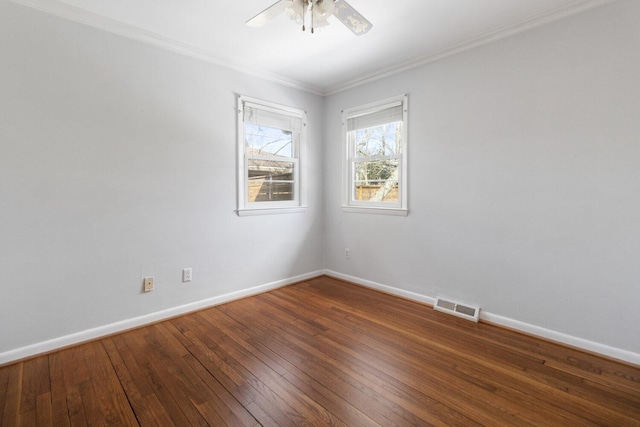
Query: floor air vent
[(465, 311)]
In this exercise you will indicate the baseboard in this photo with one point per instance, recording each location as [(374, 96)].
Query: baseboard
[(516, 325), (561, 338), (22, 353), (382, 288)]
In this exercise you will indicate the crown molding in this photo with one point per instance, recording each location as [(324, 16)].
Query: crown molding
[(572, 8), (72, 13), (63, 10)]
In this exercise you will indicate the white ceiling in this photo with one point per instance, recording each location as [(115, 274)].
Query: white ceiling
[(405, 33)]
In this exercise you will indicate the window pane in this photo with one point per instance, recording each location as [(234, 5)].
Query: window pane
[(265, 141), (383, 140), (270, 180), (376, 181)]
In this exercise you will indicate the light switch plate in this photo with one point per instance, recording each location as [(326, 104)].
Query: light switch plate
[(187, 274)]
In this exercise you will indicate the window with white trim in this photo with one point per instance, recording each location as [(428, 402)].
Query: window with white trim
[(271, 141), (375, 138)]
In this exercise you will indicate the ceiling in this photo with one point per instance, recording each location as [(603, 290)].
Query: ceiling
[(405, 33)]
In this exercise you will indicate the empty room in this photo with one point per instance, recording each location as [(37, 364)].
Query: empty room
[(319, 212)]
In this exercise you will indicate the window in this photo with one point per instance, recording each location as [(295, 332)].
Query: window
[(270, 146), (375, 162)]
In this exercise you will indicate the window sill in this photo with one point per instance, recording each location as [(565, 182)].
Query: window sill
[(271, 211), (376, 210)]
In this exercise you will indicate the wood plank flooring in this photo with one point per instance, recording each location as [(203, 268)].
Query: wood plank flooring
[(322, 352)]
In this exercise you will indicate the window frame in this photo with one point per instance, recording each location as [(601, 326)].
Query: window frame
[(349, 204), (299, 202)]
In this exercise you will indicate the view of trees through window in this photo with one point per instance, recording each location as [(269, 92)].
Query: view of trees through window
[(376, 162), (270, 167)]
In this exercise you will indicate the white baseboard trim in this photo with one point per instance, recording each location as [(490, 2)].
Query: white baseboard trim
[(559, 337), (548, 334), (136, 322), (383, 288)]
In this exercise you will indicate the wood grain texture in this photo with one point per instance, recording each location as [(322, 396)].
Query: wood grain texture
[(321, 352)]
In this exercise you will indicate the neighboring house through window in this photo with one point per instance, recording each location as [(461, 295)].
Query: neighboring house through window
[(375, 138), (271, 142)]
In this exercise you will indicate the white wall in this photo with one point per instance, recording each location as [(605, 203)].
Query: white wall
[(524, 180), (118, 161)]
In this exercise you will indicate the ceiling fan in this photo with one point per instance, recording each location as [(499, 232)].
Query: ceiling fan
[(318, 12)]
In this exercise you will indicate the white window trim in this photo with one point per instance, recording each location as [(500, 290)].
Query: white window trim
[(299, 204), (384, 208)]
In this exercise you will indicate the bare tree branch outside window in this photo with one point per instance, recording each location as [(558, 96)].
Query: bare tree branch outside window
[(376, 162)]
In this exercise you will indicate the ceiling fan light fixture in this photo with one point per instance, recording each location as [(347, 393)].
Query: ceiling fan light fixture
[(319, 23), (316, 13), (323, 9), (296, 11)]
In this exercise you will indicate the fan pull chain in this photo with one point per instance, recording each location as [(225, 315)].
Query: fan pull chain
[(304, 3)]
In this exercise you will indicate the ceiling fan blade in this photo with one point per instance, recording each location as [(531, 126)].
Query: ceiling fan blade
[(268, 14), (351, 18)]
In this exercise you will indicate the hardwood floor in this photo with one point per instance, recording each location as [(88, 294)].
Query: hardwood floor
[(322, 352)]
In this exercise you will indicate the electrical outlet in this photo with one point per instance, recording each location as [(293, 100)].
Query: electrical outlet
[(148, 284), (186, 274), (347, 255)]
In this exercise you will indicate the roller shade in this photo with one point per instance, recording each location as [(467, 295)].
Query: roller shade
[(388, 114), (271, 117)]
